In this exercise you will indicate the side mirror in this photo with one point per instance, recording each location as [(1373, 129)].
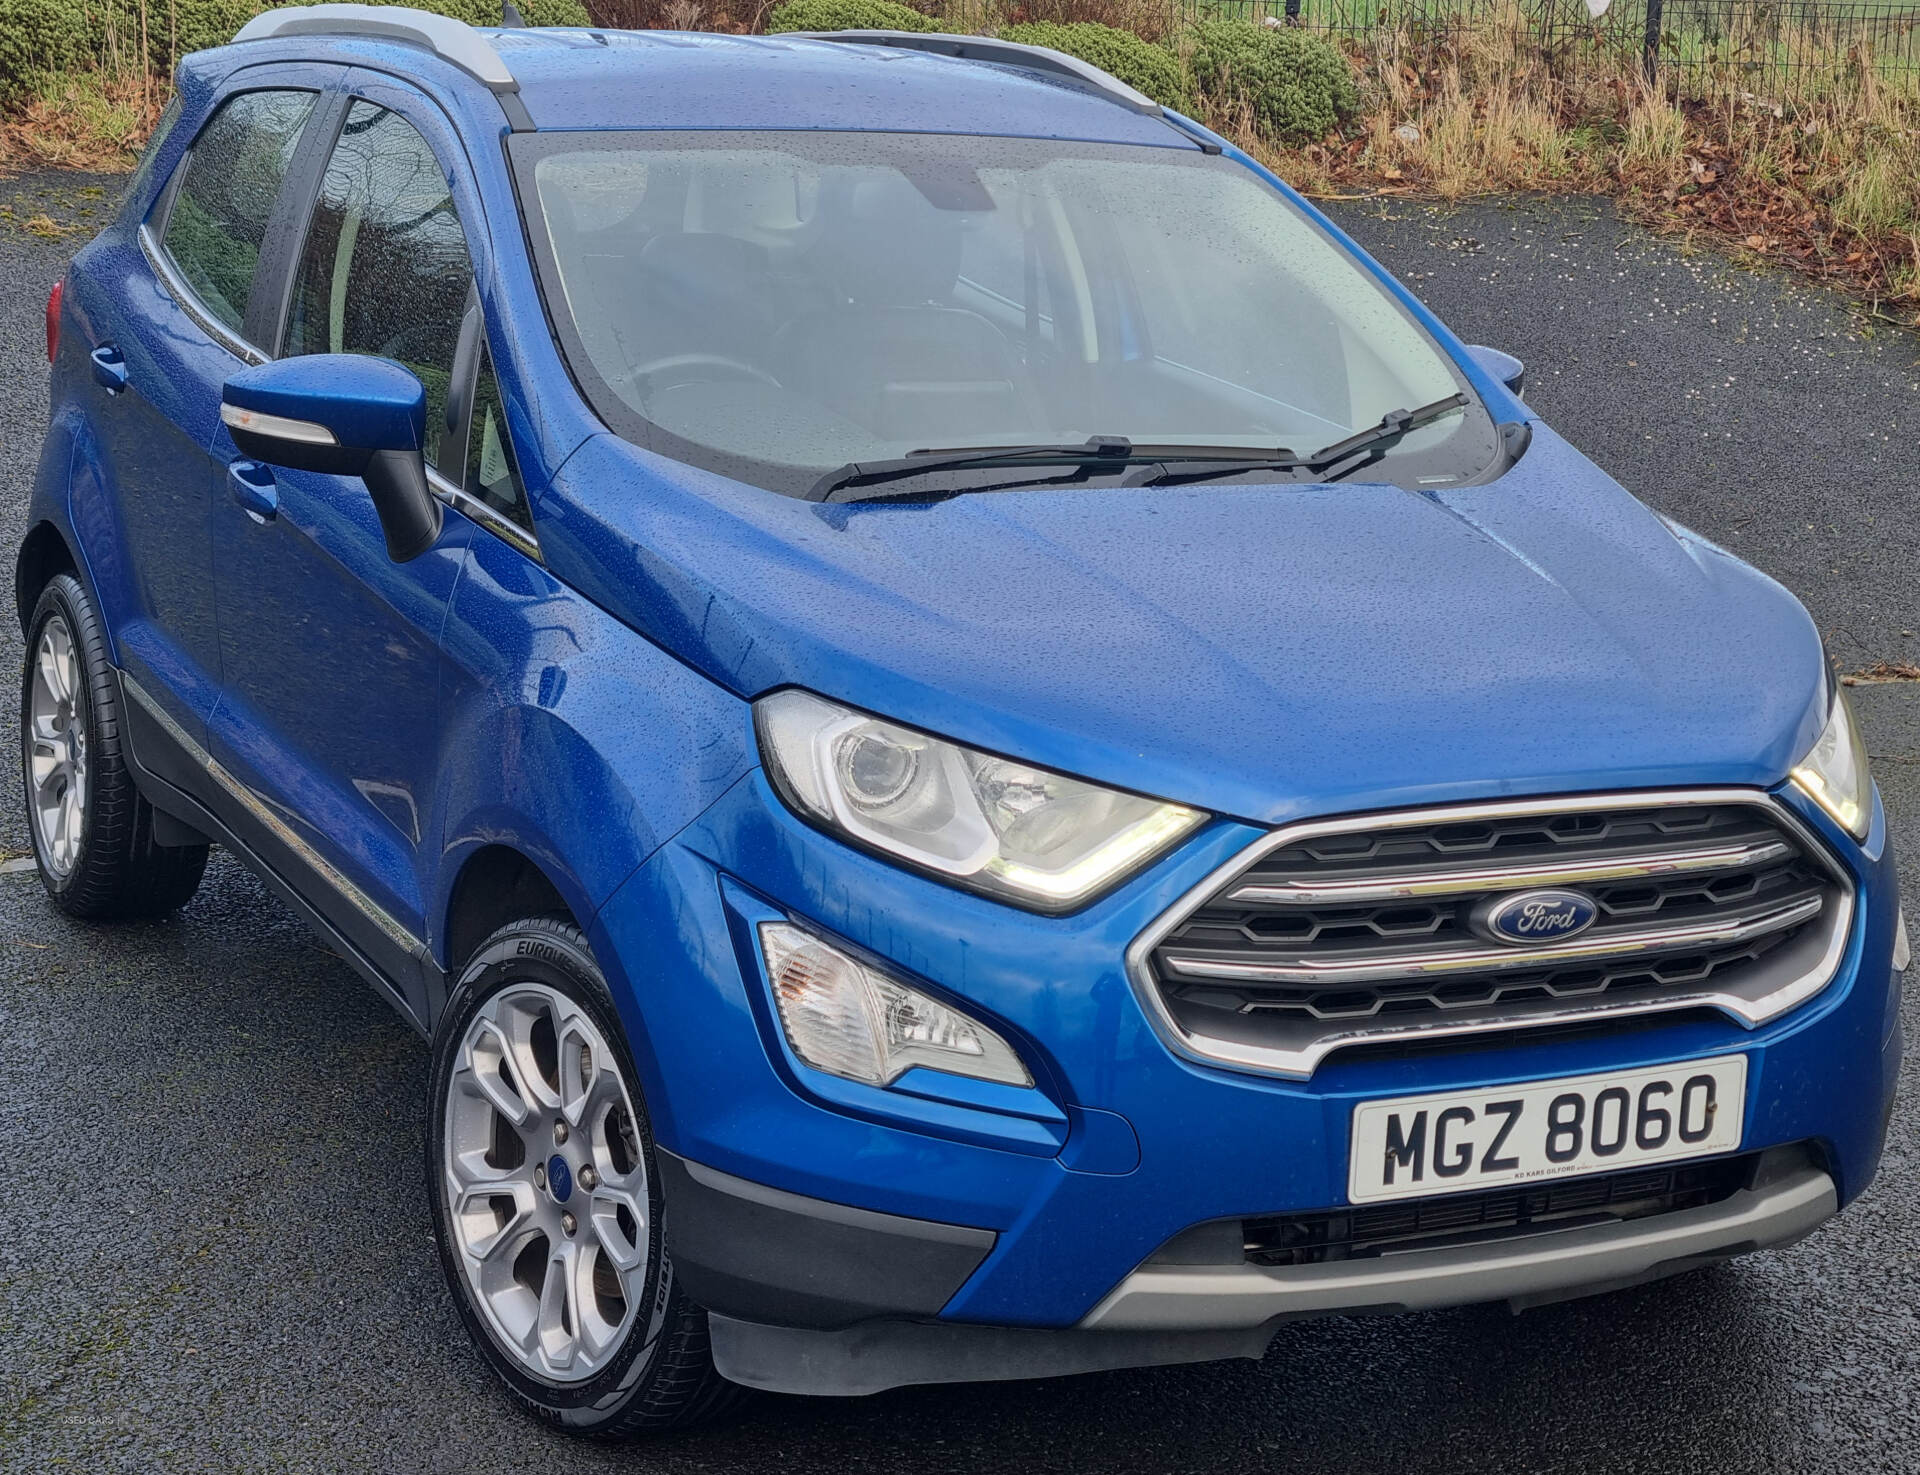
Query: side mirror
[(342, 414), (1502, 366)]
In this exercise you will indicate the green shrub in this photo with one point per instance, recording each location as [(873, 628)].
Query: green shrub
[(487, 12), (41, 38), (1295, 87), (1140, 64), (37, 39), (847, 15), (555, 13), (175, 27), (198, 24)]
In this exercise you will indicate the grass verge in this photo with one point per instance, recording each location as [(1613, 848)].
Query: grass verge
[(88, 120)]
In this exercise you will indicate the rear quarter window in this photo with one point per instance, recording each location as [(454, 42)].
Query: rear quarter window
[(219, 216)]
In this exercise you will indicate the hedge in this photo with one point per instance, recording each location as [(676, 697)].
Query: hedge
[(487, 12), (1297, 87), (39, 37), (42, 37), (847, 15), (1139, 63)]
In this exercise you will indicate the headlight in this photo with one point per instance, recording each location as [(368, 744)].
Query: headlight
[(1023, 833), (852, 1020), (1834, 774)]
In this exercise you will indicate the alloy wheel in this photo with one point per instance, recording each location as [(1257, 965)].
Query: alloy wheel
[(546, 1184), (57, 746)]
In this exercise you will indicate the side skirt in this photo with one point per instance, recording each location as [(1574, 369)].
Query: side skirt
[(185, 782)]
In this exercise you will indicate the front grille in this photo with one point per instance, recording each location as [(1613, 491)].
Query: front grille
[(1349, 932), (1499, 1213)]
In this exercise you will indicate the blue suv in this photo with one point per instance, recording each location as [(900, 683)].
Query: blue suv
[(982, 751)]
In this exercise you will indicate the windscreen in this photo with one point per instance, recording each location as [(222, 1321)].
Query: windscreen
[(775, 304)]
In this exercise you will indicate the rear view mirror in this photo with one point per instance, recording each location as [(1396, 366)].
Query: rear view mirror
[(1502, 366), (342, 414)]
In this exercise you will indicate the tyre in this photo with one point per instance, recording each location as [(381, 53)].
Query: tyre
[(92, 830), (546, 1200)]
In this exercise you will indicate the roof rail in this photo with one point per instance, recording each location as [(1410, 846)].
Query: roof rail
[(979, 48), (450, 40)]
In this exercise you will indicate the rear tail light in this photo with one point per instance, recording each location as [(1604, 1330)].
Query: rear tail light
[(53, 319)]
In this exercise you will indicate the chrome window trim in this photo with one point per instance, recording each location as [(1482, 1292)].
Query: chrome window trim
[(474, 510), (184, 298), (1300, 1064), (458, 498)]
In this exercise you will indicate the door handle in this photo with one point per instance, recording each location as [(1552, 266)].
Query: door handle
[(109, 368), (252, 487)]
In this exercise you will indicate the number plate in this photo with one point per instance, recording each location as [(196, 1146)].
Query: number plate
[(1412, 1146)]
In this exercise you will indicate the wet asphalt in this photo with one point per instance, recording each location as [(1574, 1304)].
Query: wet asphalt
[(214, 1250)]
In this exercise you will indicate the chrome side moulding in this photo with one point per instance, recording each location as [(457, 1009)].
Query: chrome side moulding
[(281, 831)]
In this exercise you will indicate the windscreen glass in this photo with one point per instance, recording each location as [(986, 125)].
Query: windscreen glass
[(774, 304)]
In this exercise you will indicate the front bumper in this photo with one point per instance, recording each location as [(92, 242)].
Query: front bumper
[(1164, 1314), (1062, 1194)]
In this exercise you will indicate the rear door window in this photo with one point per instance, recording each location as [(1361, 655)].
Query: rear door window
[(384, 269), (218, 221)]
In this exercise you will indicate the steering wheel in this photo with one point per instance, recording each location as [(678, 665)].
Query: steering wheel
[(653, 368)]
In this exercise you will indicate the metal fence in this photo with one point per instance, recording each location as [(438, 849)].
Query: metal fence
[(1773, 48), (1782, 49)]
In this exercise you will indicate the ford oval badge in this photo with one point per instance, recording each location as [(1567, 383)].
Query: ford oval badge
[(1536, 916)]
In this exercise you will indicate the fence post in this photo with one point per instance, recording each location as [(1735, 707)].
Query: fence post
[(1650, 54)]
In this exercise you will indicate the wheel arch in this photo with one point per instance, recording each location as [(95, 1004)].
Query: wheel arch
[(44, 555), (494, 883)]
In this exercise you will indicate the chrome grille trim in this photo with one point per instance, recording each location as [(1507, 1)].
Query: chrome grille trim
[(1413, 886), (1817, 958), (1362, 968)]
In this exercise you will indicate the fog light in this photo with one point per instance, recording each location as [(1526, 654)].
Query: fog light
[(849, 1019), (1902, 951)]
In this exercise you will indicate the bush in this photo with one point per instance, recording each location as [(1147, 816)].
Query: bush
[(1140, 64), (1293, 87), (42, 38), (556, 13), (847, 15), (175, 27), (487, 12), (196, 24), (37, 39)]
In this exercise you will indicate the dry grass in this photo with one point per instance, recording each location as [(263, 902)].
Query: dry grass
[(88, 121), (1153, 19), (1881, 672), (1829, 186), (732, 16)]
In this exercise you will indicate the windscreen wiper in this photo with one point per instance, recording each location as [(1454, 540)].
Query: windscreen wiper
[(1379, 437), (1101, 452), (1096, 450), (1175, 463)]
